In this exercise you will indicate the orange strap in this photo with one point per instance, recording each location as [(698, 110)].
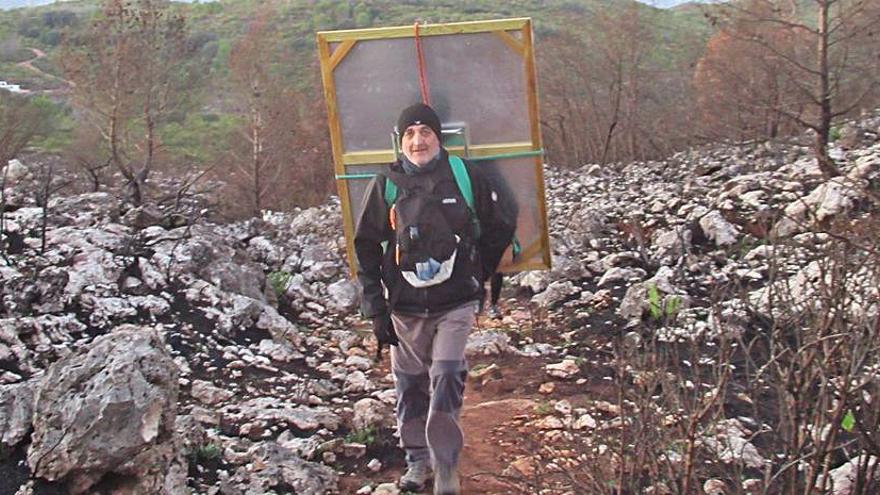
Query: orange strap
[(392, 217), (423, 79)]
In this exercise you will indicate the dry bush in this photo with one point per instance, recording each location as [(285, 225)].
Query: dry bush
[(301, 174), (605, 97), (762, 389)]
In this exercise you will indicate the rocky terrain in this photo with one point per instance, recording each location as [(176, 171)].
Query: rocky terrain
[(143, 353)]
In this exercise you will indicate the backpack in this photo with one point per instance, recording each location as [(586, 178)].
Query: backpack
[(431, 232)]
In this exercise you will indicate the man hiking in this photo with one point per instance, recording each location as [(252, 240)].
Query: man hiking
[(429, 235)]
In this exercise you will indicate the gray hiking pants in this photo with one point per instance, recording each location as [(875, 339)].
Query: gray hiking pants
[(429, 372)]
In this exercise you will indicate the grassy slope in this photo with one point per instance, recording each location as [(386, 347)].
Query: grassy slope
[(219, 24)]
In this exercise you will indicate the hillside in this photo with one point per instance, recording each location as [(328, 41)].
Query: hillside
[(667, 320), (214, 28)]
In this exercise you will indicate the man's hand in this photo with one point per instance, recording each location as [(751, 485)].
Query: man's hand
[(383, 329)]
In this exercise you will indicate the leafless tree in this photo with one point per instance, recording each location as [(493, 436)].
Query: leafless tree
[(47, 184), (281, 158), (128, 75), (604, 96), (20, 122), (824, 51)]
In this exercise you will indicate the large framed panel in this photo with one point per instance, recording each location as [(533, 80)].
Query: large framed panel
[(481, 76)]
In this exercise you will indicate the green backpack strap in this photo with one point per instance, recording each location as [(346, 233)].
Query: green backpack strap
[(463, 180), (390, 192), (390, 198)]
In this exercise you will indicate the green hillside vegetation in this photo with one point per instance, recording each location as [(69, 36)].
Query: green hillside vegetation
[(215, 26), (618, 80)]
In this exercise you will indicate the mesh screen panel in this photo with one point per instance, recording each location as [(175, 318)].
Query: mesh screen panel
[(473, 78)]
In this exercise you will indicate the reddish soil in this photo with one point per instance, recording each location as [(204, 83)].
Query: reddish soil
[(489, 409), (496, 409)]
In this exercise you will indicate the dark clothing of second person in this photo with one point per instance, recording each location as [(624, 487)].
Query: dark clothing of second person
[(495, 288)]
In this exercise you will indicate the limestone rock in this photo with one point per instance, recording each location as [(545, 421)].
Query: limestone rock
[(357, 382), (828, 200), (143, 216), (14, 171), (207, 393), (843, 478), (634, 303), (619, 274), (718, 229), (668, 245), (555, 293), (282, 352), (731, 445), (98, 409), (343, 296), (86, 209), (277, 465), (487, 343), (370, 412), (273, 410), (537, 281), (246, 279), (714, 487), (565, 369), (16, 412)]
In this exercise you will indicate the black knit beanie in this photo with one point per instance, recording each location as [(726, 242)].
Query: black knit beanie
[(418, 114)]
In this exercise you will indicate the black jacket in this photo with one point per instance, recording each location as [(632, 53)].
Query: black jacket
[(377, 270)]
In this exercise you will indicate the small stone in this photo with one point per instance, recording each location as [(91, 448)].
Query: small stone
[(375, 465), (714, 487), (354, 450), (566, 369), (206, 393), (752, 485), (357, 382), (563, 407), (525, 466), (486, 374), (585, 421), (547, 388), (359, 362), (387, 489), (549, 423), (328, 457)]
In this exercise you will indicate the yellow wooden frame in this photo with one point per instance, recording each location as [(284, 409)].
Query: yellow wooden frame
[(522, 46)]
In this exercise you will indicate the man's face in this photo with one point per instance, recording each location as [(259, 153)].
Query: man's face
[(420, 144)]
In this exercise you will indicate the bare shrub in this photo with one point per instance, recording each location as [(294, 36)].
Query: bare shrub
[(764, 388)]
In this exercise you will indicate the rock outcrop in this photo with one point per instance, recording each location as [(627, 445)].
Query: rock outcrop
[(248, 331), (108, 409)]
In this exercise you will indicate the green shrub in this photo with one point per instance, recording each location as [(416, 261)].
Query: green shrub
[(279, 281), (660, 309), (365, 436), (543, 408), (207, 452), (834, 134)]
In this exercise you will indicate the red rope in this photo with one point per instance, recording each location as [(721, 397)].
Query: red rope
[(423, 79)]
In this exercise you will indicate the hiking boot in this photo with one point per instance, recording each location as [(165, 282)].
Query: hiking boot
[(416, 477), (494, 312), (446, 481)]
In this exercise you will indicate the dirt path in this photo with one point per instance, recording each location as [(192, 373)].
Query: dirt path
[(29, 65), (490, 435), (496, 407)]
